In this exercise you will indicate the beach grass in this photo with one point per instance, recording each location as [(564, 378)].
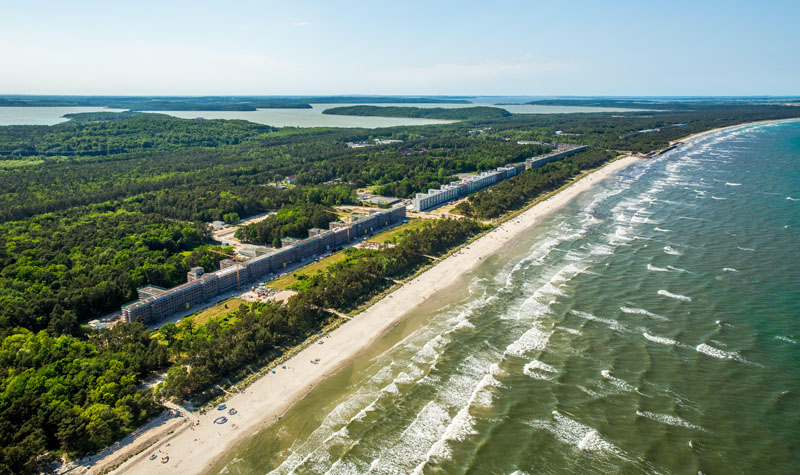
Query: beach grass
[(411, 225), (290, 280), (223, 308)]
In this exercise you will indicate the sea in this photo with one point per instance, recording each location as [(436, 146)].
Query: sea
[(291, 117), (650, 326)]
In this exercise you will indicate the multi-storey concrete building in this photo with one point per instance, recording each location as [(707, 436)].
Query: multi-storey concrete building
[(561, 151), (156, 304), (458, 189)]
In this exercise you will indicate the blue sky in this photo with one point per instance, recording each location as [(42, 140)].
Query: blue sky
[(401, 47)]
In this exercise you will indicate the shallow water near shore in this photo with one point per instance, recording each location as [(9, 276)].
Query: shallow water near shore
[(650, 326)]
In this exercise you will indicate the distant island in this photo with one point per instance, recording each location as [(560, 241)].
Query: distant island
[(231, 103), (466, 113)]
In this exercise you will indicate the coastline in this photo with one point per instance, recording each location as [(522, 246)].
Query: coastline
[(700, 134), (200, 449), (268, 398)]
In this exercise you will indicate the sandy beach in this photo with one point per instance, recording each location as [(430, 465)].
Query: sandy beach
[(195, 448)]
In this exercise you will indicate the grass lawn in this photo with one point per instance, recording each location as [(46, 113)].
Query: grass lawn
[(217, 310), (289, 280), (411, 225), (19, 163)]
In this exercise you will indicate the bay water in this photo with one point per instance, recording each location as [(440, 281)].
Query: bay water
[(312, 117), (651, 326)]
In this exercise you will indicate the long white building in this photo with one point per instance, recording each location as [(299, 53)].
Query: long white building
[(457, 189)]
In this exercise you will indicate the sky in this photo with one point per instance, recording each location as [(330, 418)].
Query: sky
[(543, 48)]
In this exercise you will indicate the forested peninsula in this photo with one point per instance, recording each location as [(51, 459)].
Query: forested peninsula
[(466, 113), (200, 103)]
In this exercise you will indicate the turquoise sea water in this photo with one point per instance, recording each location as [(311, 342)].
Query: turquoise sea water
[(651, 326)]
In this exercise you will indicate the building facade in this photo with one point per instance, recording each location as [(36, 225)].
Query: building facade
[(561, 152), (155, 304), (458, 189)]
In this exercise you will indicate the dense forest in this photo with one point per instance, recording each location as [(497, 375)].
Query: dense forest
[(105, 203), (466, 113), (108, 133), (290, 221), (72, 395), (58, 271)]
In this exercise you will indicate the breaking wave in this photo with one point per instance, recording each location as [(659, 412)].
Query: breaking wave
[(641, 311), (616, 381), (659, 339), (665, 293), (669, 419)]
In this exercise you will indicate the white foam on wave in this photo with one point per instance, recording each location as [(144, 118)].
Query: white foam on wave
[(391, 389), (533, 339), (792, 199), (616, 381), (415, 441), (636, 219), (581, 436), (602, 250), (729, 269), (786, 339), (641, 311), (749, 249), (669, 419), (572, 331), (671, 251), (661, 230), (716, 352), (653, 268), (538, 370), (665, 293), (678, 269), (659, 339), (432, 350), (462, 424), (732, 184), (718, 198), (613, 324)]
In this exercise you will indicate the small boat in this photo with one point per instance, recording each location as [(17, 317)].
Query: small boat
[(232, 411), (221, 407), (153, 457), (220, 420), (165, 459)]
